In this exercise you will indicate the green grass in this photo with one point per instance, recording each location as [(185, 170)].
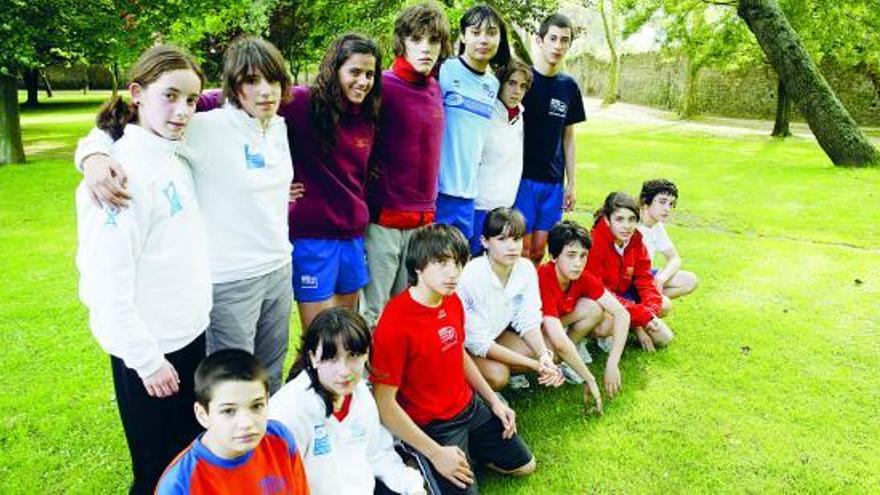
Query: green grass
[(770, 386)]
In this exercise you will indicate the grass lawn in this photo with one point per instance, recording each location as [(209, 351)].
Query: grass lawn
[(771, 385)]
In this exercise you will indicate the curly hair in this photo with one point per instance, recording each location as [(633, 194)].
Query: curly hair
[(327, 102)]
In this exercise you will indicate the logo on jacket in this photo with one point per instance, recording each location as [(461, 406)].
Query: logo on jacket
[(322, 440), (558, 108), (308, 281), (253, 158), (173, 198), (112, 213)]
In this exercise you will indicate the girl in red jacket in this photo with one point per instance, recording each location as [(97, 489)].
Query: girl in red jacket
[(619, 258)]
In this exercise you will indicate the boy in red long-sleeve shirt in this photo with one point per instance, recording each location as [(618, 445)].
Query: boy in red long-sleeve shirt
[(619, 258)]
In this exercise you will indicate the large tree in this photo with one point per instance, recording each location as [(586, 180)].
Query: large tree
[(835, 130)]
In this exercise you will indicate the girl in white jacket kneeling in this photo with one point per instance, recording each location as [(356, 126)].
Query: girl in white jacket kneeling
[(333, 415)]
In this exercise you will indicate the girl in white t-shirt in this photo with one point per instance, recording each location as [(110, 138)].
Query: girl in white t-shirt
[(657, 200)]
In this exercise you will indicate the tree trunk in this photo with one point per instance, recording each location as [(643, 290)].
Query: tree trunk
[(609, 25), (520, 48), (688, 107), (114, 77), (32, 84), (46, 83), (783, 112), (834, 128), (11, 150)]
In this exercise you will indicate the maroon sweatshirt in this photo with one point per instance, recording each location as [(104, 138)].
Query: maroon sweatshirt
[(406, 156), (334, 205)]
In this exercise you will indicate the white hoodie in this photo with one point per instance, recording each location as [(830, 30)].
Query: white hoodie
[(144, 271), (242, 178), (344, 457)]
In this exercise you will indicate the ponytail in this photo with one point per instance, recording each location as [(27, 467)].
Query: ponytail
[(114, 115)]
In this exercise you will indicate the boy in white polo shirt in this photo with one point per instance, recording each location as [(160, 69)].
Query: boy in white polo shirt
[(502, 161), (656, 201)]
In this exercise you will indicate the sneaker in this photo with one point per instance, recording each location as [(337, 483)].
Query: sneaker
[(518, 382), (605, 343), (570, 375), (583, 352)]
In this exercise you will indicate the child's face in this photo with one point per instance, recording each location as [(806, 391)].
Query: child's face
[(571, 261), (166, 105), (440, 277), (623, 225), (514, 89), (503, 249), (338, 374), (481, 42), (236, 418), (422, 52), (356, 77), (554, 45), (259, 97), (661, 208)]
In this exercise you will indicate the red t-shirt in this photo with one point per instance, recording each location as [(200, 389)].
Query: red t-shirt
[(558, 303), (420, 350)]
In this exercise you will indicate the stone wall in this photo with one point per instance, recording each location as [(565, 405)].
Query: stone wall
[(647, 79)]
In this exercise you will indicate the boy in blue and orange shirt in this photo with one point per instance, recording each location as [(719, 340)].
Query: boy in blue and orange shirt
[(241, 451)]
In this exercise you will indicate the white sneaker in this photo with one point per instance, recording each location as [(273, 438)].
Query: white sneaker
[(605, 343), (570, 375), (518, 382), (583, 352)]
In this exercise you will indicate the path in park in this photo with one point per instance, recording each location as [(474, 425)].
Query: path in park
[(628, 113)]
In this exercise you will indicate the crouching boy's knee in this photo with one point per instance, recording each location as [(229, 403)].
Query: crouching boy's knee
[(524, 470)]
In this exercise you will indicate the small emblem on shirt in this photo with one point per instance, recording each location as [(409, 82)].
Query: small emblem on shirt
[(558, 108), (322, 441), (173, 199), (253, 157), (112, 213), (272, 484), (441, 314), (453, 99), (517, 300), (469, 305), (448, 338), (629, 271), (308, 281), (358, 431)]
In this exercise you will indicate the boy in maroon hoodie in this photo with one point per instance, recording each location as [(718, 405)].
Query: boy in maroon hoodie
[(619, 258), (405, 160)]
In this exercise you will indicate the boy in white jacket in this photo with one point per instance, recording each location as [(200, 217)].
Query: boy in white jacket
[(144, 271), (333, 415)]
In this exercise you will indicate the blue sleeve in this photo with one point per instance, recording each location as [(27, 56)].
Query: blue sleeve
[(178, 476), (277, 429)]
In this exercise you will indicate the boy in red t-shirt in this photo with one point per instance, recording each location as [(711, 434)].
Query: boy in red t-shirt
[(241, 451), (576, 301), (424, 382)]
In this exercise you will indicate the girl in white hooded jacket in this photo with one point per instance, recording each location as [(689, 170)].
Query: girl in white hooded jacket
[(333, 416)]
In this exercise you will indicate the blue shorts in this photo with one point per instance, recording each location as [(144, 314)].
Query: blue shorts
[(474, 241), (455, 211), (540, 203), (324, 267)]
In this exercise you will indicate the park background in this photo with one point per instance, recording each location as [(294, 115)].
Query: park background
[(771, 384)]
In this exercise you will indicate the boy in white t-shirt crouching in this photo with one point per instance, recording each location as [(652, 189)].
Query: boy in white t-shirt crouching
[(657, 200)]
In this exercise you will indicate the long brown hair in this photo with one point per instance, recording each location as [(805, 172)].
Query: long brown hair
[(327, 102), (115, 114), (615, 201)]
